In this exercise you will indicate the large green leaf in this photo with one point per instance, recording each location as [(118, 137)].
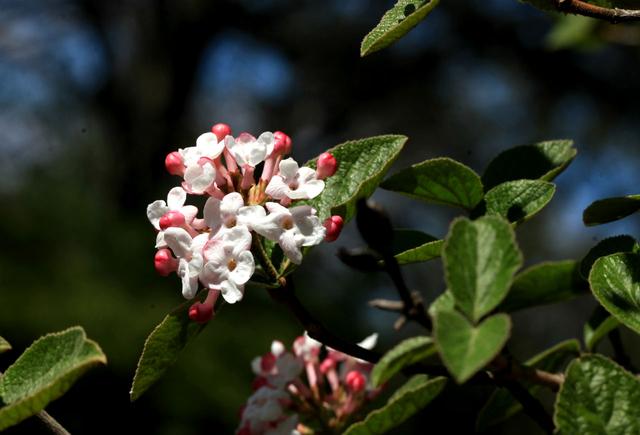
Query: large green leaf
[(545, 283), (397, 21), (442, 180), (465, 349), (610, 209), (162, 348), (600, 323), (611, 245), (615, 282), (444, 302), (598, 397), (543, 160), (407, 352), (44, 372), (4, 345), (405, 402), (361, 165), (519, 200), (502, 405), (480, 258)]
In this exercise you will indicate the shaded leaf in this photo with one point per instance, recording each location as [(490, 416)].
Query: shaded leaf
[(405, 353), (615, 282), (598, 326), (610, 209), (519, 200), (425, 252), (598, 397), (480, 258), (543, 160), (44, 372), (397, 21), (442, 181), (502, 405), (361, 165), (162, 348), (611, 245), (414, 395), (545, 283), (465, 349), (4, 345), (406, 239)]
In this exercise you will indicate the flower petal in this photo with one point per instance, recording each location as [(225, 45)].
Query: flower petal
[(231, 292), (208, 145), (277, 188), (212, 214), (238, 237), (287, 242), (155, 211), (199, 177), (288, 169), (231, 203), (176, 198), (189, 212), (160, 243), (268, 141), (179, 241), (245, 266), (308, 190)]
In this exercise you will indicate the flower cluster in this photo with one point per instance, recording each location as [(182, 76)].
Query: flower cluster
[(297, 390), (214, 250)]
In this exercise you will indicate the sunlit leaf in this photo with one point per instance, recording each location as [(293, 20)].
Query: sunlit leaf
[(611, 245), (519, 200)]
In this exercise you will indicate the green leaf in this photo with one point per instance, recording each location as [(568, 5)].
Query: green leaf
[(611, 245), (162, 348), (502, 405), (425, 252), (444, 302), (545, 283), (610, 209), (406, 239), (480, 258), (408, 400), (598, 397), (407, 352), (599, 324), (44, 372), (395, 23), (615, 282), (519, 200), (466, 349), (572, 31), (543, 160), (4, 345), (442, 181), (361, 165)]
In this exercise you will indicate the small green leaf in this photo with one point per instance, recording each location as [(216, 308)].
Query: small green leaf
[(406, 239), (598, 397), (162, 348), (501, 405), (442, 181), (397, 21), (598, 326), (361, 165), (44, 372), (571, 31), (417, 393), (610, 209), (519, 200), (540, 161), (407, 352), (545, 283), (466, 349), (615, 282), (611, 245), (425, 252), (444, 302), (4, 345), (480, 258)]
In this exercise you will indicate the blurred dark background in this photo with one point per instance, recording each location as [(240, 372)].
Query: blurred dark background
[(94, 94)]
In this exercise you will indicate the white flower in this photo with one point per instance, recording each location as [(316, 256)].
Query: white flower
[(175, 202), (207, 146), (294, 183), (223, 214), (200, 172), (291, 228), (264, 407), (249, 151), (306, 347), (189, 252), (199, 177), (229, 263)]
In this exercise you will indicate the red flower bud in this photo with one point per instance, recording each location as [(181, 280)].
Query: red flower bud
[(355, 381), (201, 313), (282, 143), (171, 219), (164, 262), (333, 225), (174, 164), (221, 131), (326, 365), (327, 166)]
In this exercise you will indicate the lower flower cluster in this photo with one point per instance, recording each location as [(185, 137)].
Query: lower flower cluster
[(305, 390), (214, 251)]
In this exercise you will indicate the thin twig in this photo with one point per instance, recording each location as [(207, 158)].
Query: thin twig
[(613, 15), (530, 405), (510, 369)]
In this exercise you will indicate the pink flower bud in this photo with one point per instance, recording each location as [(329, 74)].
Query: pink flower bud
[(327, 364), (333, 225), (174, 164), (327, 166), (221, 131), (282, 143), (201, 313), (259, 382), (164, 262), (171, 219), (355, 381), (267, 362)]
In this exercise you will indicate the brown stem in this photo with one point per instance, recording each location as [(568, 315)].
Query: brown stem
[(614, 15), (504, 367), (530, 405)]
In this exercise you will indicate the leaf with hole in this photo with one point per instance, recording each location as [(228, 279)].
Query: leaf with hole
[(517, 200)]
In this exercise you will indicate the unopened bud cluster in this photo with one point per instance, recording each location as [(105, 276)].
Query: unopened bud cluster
[(296, 389), (213, 251)]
